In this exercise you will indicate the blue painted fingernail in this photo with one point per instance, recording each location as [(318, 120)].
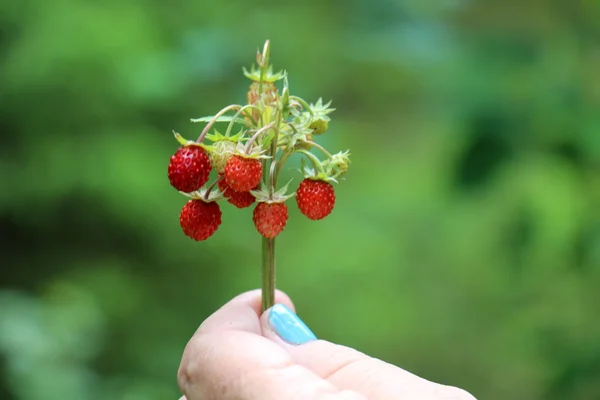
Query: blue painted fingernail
[(288, 326)]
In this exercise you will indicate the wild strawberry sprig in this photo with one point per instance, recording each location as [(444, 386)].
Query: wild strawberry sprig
[(271, 127)]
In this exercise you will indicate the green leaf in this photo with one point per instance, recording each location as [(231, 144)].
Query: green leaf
[(268, 138), (222, 118)]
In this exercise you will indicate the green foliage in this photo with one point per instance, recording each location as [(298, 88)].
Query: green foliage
[(465, 243)]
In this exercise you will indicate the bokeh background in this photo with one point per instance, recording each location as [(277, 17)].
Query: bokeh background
[(465, 243)]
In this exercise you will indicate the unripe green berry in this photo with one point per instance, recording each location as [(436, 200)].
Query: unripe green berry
[(319, 126), (221, 153)]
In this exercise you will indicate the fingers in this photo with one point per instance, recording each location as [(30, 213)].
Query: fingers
[(375, 379), (241, 313), (347, 368), (228, 358), (239, 365)]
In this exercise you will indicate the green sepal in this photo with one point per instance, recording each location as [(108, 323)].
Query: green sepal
[(263, 195), (217, 136), (310, 173), (319, 109), (256, 152), (338, 164), (214, 195), (304, 170), (255, 74), (320, 171), (184, 142)]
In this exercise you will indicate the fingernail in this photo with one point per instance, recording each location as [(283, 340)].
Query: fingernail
[(288, 326)]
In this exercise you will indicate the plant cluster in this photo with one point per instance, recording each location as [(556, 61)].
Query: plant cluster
[(249, 154)]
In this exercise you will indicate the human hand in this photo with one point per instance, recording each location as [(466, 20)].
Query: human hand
[(239, 354)]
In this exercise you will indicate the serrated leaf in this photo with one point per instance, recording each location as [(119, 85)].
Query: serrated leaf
[(222, 118)]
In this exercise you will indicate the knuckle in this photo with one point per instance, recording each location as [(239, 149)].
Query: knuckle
[(188, 372), (183, 378)]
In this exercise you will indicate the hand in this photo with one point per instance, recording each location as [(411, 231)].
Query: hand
[(237, 354)]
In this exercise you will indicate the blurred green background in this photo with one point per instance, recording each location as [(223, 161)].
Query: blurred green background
[(465, 243)]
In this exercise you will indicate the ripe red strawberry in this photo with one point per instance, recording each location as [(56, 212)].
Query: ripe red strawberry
[(238, 199), (199, 220), (270, 218), (315, 198), (189, 168), (242, 174)]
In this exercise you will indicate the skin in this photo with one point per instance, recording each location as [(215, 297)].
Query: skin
[(236, 355)]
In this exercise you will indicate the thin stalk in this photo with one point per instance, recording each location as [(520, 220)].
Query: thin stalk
[(268, 245), (272, 176), (274, 148), (256, 135), (268, 273), (215, 118), (282, 161), (237, 114), (318, 146), (303, 103), (315, 161), (211, 187), (268, 280)]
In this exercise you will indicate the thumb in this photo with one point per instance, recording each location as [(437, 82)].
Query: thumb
[(347, 368)]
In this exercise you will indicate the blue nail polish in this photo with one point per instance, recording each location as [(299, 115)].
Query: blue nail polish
[(288, 326)]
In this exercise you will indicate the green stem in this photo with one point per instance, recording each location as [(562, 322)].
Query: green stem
[(212, 186), (282, 161), (268, 273), (237, 114), (268, 245), (215, 118), (256, 135), (272, 188), (263, 65), (315, 161), (303, 103), (272, 177), (318, 146)]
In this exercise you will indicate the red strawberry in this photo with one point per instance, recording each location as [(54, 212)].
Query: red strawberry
[(199, 220), (270, 218), (189, 168), (242, 174), (315, 198), (238, 199)]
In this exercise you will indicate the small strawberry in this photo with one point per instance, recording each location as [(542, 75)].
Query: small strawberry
[(315, 198), (319, 126), (199, 220), (238, 199), (242, 174), (269, 93), (189, 168), (220, 154), (270, 218)]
